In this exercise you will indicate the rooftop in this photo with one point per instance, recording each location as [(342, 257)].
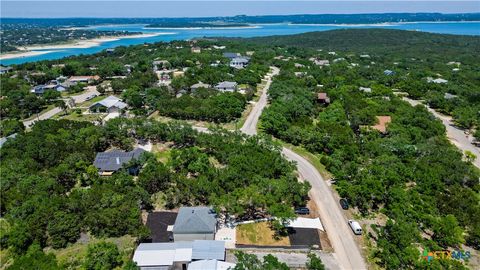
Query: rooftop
[(383, 121), (114, 160), (195, 220)]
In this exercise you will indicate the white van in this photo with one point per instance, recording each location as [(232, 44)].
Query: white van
[(355, 226)]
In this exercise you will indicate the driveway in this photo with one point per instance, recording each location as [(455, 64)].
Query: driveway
[(91, 90), (454, 134)]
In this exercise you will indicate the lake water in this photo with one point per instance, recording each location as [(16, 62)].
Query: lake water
[(458, 28)]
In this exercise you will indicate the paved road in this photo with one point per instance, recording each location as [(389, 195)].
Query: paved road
[(456, 135), (250, 125), (48, 114), (346, 250)]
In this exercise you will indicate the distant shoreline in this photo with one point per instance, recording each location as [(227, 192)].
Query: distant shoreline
[(21, 54), (200, 28), (34, 50)]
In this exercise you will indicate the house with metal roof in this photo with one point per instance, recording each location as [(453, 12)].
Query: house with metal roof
[(226, 86), (230, 55), (109, 104), (239, 62), (5, 139), (178, 255), (199, 85), (195, 223), (211, 265), (109, 162)]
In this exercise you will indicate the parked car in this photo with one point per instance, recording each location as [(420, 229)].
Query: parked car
[(302, 211), (344, 204), (90, 97), (355, 226)]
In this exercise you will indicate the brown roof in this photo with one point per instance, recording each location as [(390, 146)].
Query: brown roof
[(382, 123), (322, 96)]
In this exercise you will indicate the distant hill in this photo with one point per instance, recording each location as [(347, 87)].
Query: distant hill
[(386, 41), (243, 19)]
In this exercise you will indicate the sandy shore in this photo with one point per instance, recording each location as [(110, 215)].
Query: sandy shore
[(22, 54), (81, 44)]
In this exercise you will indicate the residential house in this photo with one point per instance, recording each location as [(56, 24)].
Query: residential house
[(160, 64), (219, 47), (239, 62), (178, 255), (109, 162), (4, 70), (109, 104), (364, 56), (438, 80), (226, 86), (298, 65), (383, 122), (110, 50), (230, 55), (195, 223), (210, 265), (5, 139), (178, 73), (196, 50), (365, 89), (40, 89), (389, 72), (449, 96), (323, 98), (83, 79), (320, 62), (198, 85)]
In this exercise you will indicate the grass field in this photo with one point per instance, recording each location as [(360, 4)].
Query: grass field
[(259, 234)]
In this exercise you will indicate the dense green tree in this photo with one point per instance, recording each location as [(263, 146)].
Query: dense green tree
[(102, 256)]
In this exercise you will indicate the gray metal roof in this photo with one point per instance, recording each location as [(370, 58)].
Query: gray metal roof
[(226, 85), (114, 160), (208, 250), (5, 139), (195, 220), (240, 60), (230, 55)]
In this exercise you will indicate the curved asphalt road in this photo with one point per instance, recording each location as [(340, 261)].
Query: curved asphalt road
[(456, 136), (347, 252)]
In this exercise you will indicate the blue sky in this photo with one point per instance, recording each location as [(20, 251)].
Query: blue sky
[(198, 8)]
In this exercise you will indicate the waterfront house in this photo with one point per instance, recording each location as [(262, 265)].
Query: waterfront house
[(226, 86)]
